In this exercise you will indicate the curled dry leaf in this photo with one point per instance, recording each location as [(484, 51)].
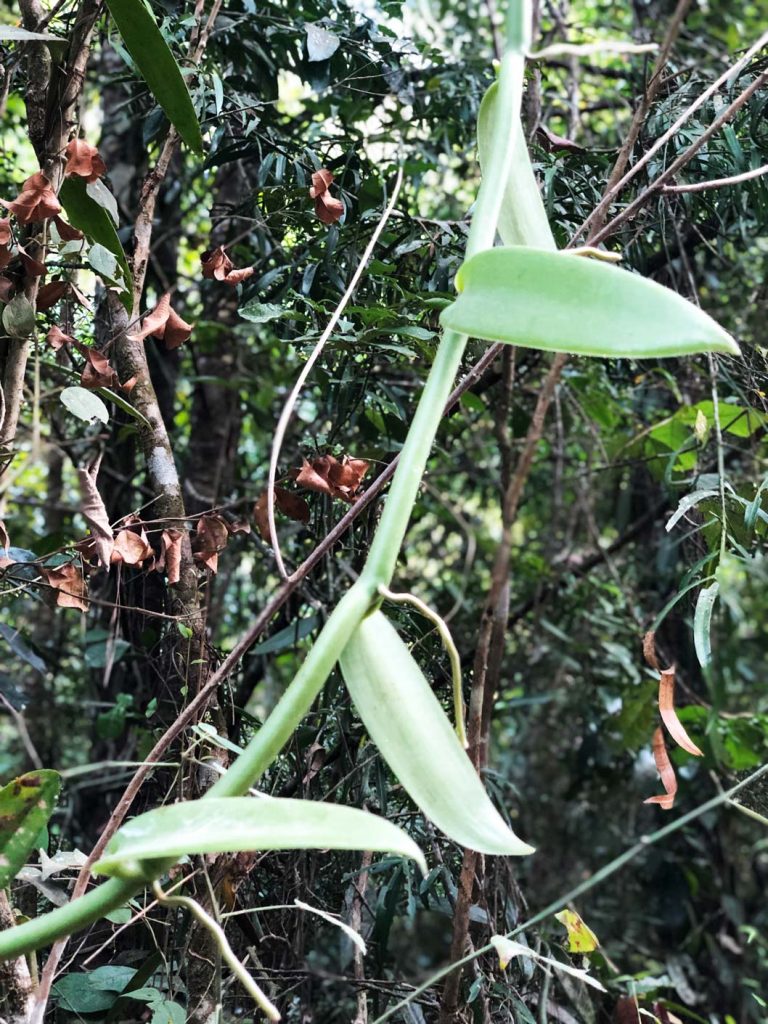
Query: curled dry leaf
[(66, 232), (171, 548), (132, 548), (217, 265), (290, 504), (84, 161), (98, 372), (675, 727), (327, 208), (69, 583), (33, 267), (49, 294), (37, 201), (95, 513), (165, 323), (6, 235), (211, 537), (666, 773), (57, 339), (327, 475), (649, 650)]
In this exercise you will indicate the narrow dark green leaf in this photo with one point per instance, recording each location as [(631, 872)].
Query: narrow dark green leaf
[(565, 303), (224, 824), (145, 43), (95, 221), (702, 623), (26, 804)]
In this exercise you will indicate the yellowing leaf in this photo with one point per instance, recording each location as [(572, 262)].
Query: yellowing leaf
[(581, 938)]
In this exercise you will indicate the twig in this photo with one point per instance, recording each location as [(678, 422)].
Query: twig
[(733, 179), (285, 415), (684, 158), (598, 216), (614, 191)]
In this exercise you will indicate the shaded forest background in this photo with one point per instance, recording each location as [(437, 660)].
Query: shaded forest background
[(684, 928)]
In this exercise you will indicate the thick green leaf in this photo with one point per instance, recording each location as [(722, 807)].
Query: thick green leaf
[(95, 221), (26, 804), (227, 824), (702, 622), (19, 317), (522, 220), (410, 728), (92, 991), (84, 404), (145, 43), (566, 303)]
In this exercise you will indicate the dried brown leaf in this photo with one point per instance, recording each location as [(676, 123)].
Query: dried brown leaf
[(66, 232), (666, 773), (132, 548), (171, 546), (49, 294), (165, 323), (57, 339), (69, 583), (95, 514), (675, 727), (83, 160), (37, 201)]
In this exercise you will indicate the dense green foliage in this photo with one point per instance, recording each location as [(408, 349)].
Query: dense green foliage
[(684, 928)]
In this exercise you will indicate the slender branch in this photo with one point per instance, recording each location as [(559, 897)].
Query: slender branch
[(598, 216), (684, 158), (287, 411), (640, 847), (733, 179), (611, 194)]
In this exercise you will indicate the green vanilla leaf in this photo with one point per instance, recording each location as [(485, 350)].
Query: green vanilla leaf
[(565, 303), (415, 738), (26, 804), (148, 49), (229, 824), (95, 221), (522, 219)]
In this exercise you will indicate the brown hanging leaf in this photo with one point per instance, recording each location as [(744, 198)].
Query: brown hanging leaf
[(98, 371), (327, 475), (290, 504), (675, 727), (49, 294), (217, 265), (57, 339), (666, 773), (33, 267), (95, 513), (69, 583), (327, 208), (37, 201), (6, 235), (211, 537), (132, 548), (84, 161), (649, 650), (171, 548), (5, 256), (6, 289), (164, 323), (66, 232)]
